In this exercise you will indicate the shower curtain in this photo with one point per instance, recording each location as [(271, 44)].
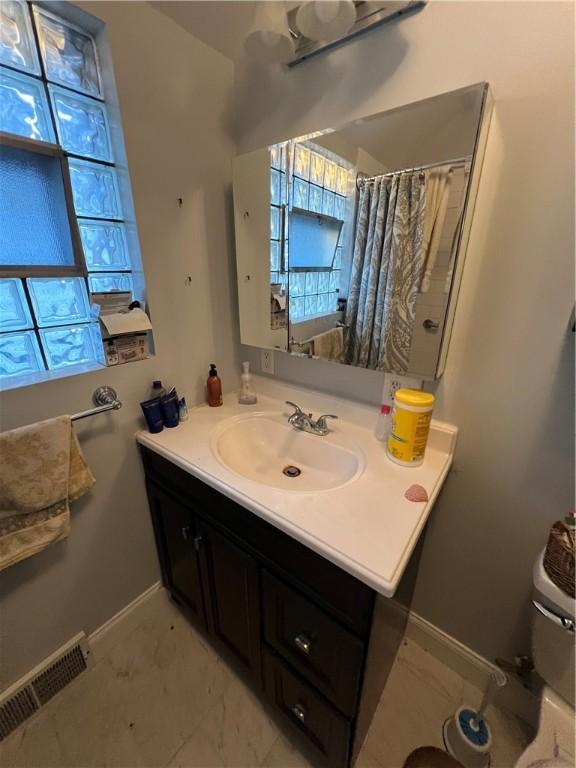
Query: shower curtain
[(387, 269)]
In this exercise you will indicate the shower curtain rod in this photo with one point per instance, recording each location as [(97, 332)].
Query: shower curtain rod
[(453, 163)]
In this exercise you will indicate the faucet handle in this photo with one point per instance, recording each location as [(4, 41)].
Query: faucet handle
[(321, 422), (297, 408)]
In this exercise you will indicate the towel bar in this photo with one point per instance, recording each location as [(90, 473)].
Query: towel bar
[(311, 339), (105, 399)]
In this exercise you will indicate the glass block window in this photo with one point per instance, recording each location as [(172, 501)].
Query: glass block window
[(71, 345), (24, 106), (319, 182), (14, 311), (17, 46), (56, 301), (278, 194), (95, 190), (81, 123), (20, 354), (51, 93), (104, 245), (110, 283), (68, 53)]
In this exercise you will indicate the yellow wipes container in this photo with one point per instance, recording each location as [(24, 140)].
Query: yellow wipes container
[(410, 426)]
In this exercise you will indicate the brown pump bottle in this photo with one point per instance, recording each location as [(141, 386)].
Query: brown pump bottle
[(214, 387)]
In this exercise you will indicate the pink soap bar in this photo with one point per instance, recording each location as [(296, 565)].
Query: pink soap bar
[(416, 493)]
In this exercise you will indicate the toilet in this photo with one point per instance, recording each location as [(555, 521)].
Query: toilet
[(553, 651)]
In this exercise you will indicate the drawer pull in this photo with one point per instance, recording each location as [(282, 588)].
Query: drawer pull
[(299, 712), (303, 643), (186, 532)]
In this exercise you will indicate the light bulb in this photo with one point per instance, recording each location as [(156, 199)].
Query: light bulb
[(269, 39), (325, 20)]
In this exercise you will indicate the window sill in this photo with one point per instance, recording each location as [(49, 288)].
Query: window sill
[(301, 320), (17, 382)]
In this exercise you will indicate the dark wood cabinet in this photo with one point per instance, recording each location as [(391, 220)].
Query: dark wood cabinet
[(295, 625), (231, 579), (176, 539)]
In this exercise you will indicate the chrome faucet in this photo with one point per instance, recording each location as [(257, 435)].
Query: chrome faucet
[(305, 422)]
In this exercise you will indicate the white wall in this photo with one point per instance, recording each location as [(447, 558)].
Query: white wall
[(174, 97), (251, 178), (509, 379)]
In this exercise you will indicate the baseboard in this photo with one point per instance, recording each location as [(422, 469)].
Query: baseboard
[(474, 668), (97, 637)]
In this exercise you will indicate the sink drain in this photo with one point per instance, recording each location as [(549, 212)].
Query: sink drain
[(291, 471)]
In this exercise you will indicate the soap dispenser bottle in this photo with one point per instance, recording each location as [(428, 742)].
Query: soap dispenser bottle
[(247, 396), (214, 387)]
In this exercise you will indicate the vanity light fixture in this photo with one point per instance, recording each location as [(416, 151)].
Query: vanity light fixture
[(320, 25), (270, 40), (289, 33)]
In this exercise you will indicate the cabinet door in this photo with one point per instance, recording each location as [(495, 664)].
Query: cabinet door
[(231, 577), (176, 539)]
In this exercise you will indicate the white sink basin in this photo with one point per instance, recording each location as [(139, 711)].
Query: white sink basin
[(261, 447)]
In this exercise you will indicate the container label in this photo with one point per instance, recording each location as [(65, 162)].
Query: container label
[(409, 434)]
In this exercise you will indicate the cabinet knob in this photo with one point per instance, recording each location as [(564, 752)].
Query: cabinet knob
[(299, 712), (197, 543), (186, 532), (303, 643), (430, 325)]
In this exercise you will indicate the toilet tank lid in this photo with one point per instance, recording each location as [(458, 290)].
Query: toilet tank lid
[(553, 597)]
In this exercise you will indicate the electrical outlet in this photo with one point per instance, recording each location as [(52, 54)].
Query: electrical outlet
[(392, 382), (267, 361)]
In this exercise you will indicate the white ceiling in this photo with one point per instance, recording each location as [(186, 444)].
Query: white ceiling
[(440, 128), (221, 24)]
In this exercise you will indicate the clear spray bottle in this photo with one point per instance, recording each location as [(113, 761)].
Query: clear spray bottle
[(247, 395)]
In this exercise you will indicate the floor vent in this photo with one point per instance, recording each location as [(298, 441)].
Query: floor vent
[(26, 696), (59, 674), (15, 710)]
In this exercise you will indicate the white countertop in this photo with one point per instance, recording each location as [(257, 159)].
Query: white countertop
[(366, 527)]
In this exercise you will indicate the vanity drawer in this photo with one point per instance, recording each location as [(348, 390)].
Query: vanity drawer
[(323, 730), (319, 648)]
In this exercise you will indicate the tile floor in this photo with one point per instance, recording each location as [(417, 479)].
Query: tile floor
[(157, 695)]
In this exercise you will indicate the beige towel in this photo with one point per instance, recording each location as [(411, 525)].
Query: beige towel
[(41, 469), (437, 193), (329, 345)]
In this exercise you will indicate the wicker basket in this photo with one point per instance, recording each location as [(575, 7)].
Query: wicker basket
[(559, 557)]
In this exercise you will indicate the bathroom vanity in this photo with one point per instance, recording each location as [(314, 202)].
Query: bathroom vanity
[(290, 584)]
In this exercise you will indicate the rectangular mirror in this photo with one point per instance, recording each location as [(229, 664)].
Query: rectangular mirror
[(350, 242)]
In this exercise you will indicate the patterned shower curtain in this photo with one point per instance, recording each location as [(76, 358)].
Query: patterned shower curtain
[(386, 272)]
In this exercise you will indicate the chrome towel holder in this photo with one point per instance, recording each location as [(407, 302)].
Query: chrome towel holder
[(105, 399)]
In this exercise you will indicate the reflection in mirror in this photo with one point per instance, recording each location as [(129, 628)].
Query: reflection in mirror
[(362, 227)]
